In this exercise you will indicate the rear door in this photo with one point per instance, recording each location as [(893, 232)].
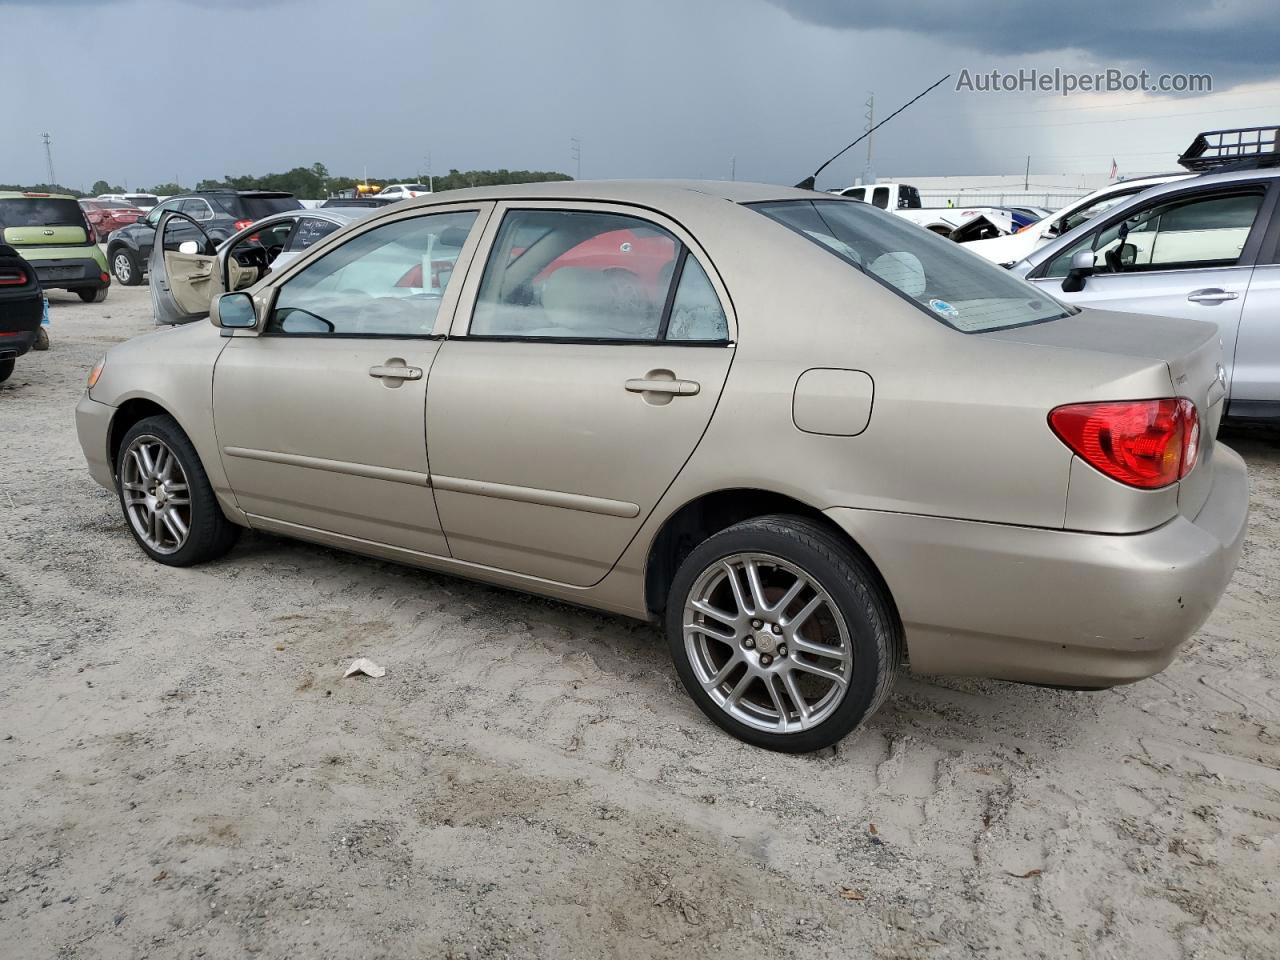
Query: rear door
[(584, 365), (181, 282), (1255, 385), (1189, 254)]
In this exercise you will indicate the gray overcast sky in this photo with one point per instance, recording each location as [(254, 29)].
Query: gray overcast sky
[(656, 89)]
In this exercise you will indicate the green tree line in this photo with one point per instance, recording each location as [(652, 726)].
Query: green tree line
[(313, 182)]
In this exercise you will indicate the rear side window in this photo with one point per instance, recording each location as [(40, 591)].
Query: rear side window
[(40, 212), (949, 284), (580, 275), (908, 198)]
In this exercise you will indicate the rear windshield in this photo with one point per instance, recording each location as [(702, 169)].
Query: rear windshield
[(255, 208), (953, 286), (40, 212)]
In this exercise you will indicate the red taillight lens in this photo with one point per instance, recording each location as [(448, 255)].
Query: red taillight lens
[(241, 224), (1142, 443), (12, 278)]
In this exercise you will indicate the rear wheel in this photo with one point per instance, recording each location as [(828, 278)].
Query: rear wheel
[(125, 267), (782, 634), (6, 369), (42, 340), (92, 294), (166, 496)]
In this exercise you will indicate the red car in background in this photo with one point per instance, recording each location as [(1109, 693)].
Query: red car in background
[(107, 215)]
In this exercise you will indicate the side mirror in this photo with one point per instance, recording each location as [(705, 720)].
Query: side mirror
[(234, 311), (1081, 269), (188, 247)]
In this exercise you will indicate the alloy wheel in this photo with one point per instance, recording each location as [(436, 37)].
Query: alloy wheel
[(767, 643), (157, 499), (123, 268)]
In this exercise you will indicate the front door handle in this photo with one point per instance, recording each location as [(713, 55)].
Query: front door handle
[(393, 370), (1212, 295), (675, 388)]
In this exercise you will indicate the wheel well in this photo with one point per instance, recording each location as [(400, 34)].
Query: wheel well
[(130, 412), (708, 515)]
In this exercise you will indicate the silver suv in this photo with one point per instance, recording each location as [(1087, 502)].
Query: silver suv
[(1206, 248)]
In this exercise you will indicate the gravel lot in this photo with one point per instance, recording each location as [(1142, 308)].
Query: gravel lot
[(183, 773)]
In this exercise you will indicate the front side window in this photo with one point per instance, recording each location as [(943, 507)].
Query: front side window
[(951, 285), (387, 282), (576, 275), (1183, 233)]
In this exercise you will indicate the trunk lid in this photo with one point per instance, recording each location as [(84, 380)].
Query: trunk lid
[(1191, 350)]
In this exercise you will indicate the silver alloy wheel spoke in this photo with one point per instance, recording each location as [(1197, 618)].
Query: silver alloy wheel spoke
[(752, 659), (155, 494)]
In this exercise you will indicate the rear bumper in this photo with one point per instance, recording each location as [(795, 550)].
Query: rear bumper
[(16, 344), (70, 273), (93, 427), (1052, 606)]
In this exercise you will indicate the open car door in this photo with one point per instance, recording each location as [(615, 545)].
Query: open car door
[(181, 272)]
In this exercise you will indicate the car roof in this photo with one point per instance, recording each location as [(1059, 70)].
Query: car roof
[(641, 192), (27, 195)]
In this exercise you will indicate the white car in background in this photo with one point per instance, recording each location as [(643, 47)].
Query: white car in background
[(404, 191), (1012, 248)]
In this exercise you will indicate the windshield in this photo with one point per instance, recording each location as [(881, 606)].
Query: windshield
[(950, 284), (40, 212)]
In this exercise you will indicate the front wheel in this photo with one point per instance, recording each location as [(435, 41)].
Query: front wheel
[(125, 267), (93, 294), (166, 496), (782, 634)]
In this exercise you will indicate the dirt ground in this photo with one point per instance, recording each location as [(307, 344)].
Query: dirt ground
[(184, 774)]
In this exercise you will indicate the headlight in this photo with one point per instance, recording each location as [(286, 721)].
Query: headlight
[(96, 372)]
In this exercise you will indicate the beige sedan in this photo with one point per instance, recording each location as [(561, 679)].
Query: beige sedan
[(809, 437)]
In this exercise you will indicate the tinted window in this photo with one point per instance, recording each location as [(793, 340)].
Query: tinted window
[(40, 212), (196, 209), (576, 275), (1183, 233), (951, 285), (908, 198), (385, 282), (880, 197), (311, 229), (255, 208), (857, 193)]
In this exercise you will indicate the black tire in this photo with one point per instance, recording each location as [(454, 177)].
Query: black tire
[(6, 368), (210, 534), (42, 339), (92, 294), (873, 627), (125, 266)]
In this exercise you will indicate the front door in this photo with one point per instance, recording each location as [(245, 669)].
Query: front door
[(1190, 255), (320, 417), (585, 364), (181, 274)]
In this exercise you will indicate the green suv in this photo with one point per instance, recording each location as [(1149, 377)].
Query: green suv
[(51, 233)]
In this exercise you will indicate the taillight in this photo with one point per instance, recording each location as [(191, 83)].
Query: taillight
[(241, 224), (13, 278), (1142, 443)]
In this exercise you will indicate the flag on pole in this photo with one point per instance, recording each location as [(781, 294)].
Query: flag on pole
[(1114, 168)]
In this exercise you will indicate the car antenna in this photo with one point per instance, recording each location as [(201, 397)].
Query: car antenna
[(809, 182)]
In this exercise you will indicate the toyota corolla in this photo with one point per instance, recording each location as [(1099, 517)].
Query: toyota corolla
[(811, 439)]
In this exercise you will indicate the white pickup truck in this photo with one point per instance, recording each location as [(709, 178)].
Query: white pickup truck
[(961, 224)]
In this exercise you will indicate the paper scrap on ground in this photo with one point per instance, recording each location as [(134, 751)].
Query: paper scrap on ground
[(366, 666)]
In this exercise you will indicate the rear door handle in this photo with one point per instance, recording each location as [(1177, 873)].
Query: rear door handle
[(396, 371), (1212, 295), (676, 388)]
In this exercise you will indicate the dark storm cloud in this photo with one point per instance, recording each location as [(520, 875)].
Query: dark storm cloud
[(1236, 40)]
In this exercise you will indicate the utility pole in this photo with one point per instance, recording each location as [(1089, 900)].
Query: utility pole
[(48, 157), (867, 176), (431, 184), (575, 151), (733, 168), (1026, 177)]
